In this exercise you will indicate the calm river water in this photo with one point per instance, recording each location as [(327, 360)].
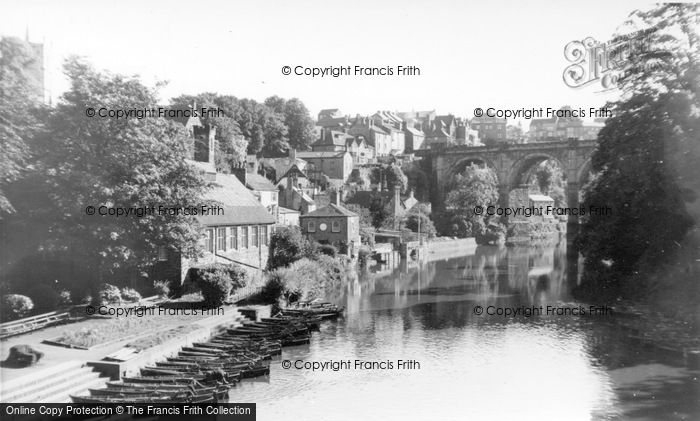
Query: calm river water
[(473, 366)]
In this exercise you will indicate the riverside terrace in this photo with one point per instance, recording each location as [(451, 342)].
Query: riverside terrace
[(143, 310), (75, 370)]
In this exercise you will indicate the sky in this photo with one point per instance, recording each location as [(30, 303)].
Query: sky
[(501, 54)]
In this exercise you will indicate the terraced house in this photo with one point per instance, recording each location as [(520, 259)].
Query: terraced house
[(240, 234)]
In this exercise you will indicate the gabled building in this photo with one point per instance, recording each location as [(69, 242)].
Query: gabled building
[(492, 130), (423, 117), (393, 125), (398, 206), (466, 135), (562, 128), (437, 135), (293, 195), (333, 224), (335, 141), (362, 153), (335, 165), (376, 136), (332, 119), (262, 188), (332, 141), (415, 138)]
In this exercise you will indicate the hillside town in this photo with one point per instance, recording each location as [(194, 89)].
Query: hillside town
[(224, 242), (317, 189)]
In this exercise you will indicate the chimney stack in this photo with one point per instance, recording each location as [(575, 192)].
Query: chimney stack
[(292, 153), (240, 171), (336, 196)]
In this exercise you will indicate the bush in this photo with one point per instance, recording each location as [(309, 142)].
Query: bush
[(15, 306), (44, 297), (306, 279), (363, 256), (287, 245), (334, 268), (130, 295), (108, 294), (342, 247), (427, 227), (495, 233), (65, 298), (328, 250), (162, 288), (86, 297), (273, 288), (214, 281)]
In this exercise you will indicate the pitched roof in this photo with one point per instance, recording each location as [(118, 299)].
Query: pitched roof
[(287, 210), (489, 120), (330, 210), (540, 198), (414, 131), (334, 137), (284, 165), (257, 182), (312, 155), (240, 206), (206, 167), (447, 119), (292, 170), (378, 129)]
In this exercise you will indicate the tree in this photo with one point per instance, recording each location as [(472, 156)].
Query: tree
[(393, 175), (476, 186), (418, 181), (380, 212), (230, 143), (263, 127), (425, 226), (549, 180), (19, 114), (367, 229), (116, 163), (287, 245), (300, 125), (646, 163), (515, 133)]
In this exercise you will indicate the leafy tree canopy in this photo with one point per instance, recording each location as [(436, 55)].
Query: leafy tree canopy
[(646, 163)]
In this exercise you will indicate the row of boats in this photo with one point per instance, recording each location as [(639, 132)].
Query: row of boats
[(206, 371)]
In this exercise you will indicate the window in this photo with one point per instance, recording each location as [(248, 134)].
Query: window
[(311, 227), (254, 236), (233, 238), (335, 226), (162, 253), (244, 237), (221, 239), (209, 241), (263, 235)]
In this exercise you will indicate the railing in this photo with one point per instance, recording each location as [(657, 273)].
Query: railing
[(236, 261), (29, 324), (245, 292)]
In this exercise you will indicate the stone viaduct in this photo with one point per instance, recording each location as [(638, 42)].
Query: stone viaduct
[(513, 164)]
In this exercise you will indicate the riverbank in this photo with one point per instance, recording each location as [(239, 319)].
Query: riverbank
[(677, 337)]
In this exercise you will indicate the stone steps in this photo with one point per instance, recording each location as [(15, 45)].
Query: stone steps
[(53, 384)]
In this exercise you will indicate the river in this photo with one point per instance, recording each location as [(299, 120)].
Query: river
[(471, 366)]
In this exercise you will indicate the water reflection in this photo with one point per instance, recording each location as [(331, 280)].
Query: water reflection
[(472, 366)]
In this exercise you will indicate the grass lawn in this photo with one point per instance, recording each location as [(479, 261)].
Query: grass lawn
[(150, 329)]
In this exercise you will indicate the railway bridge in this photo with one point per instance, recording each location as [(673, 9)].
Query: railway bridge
[(513, 164)]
